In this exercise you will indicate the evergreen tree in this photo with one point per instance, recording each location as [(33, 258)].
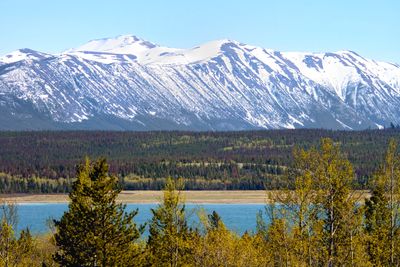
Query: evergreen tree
[(96, 231), (26, 252), (169, 241), (377, 226), (214, 220)]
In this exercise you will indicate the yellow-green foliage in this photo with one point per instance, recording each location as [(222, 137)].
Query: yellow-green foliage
[(169, 242)]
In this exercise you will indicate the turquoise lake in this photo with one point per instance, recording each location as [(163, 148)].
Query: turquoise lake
[(237, 217)]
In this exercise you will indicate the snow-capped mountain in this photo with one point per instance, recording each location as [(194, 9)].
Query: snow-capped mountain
[(129, 83)]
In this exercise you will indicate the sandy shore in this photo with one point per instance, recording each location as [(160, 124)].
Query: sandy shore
[(228, 197), (222, 197)]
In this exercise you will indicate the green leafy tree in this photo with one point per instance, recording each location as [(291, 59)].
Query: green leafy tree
[(15, 251), (96, 231), (218, 246), (316, 220), (334, 176), (382, 212), (7, 243), (391, 177), (297, 203), (279, 243)]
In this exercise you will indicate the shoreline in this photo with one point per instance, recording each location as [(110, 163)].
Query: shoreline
[(152, 197)]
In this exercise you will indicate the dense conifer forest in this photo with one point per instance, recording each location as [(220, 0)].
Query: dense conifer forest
[(46, 161)]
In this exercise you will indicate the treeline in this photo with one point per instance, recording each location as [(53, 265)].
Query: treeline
[(207, 160), (317, 220), (18, 184)]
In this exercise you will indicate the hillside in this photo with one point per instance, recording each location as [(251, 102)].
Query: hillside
[(207, 160)]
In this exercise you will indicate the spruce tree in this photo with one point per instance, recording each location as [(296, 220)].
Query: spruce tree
[(377, 226), (214, 220), (169, 241), (96, 231)]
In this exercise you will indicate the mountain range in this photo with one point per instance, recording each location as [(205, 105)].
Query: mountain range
[(127, 83)]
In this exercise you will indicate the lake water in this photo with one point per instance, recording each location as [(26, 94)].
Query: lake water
[(237, 217)]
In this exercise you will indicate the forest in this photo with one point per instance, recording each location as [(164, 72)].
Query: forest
[(316, 220), (46, 161)]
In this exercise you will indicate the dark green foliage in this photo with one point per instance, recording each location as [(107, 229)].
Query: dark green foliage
[(377, 213), (377, 226), (207, 160), (95, 231), (214, 220)]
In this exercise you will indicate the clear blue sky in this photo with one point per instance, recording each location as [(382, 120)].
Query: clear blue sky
[(371, 28)]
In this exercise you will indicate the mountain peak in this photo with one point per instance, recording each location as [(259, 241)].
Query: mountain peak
[(196, 54), (23, 54), (122, 44)]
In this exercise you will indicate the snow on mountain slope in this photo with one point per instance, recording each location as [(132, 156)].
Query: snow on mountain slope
[(23, 54), (110, 50), (190, 56), (123, 44), (129, 83), (124, 47)]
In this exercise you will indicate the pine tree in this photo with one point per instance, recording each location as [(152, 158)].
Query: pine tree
[(169, 241), (214, 220), (377, 226), (96, 231), (26, 248)]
